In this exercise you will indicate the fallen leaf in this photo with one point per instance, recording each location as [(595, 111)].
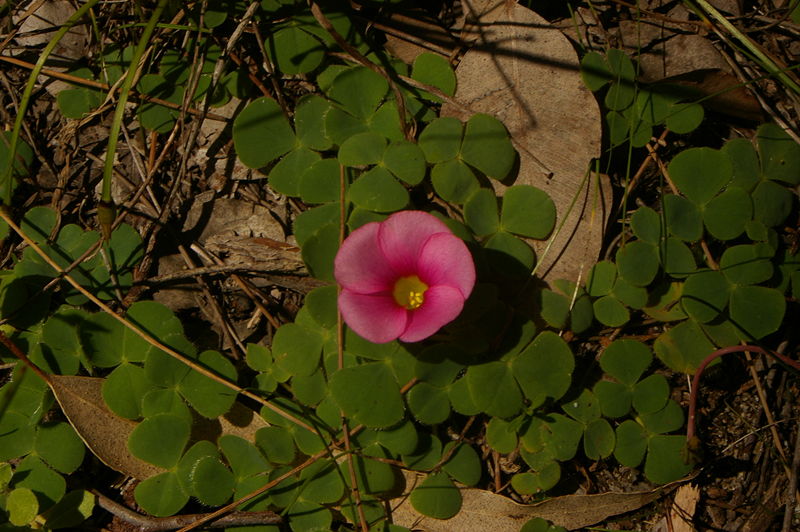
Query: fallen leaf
[(683, 508), (106, 434), (490, 512), (525, 72), (103, 432)]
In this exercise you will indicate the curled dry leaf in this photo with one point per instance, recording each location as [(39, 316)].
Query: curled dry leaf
[(106, 434), (525, 72), (490, 512)]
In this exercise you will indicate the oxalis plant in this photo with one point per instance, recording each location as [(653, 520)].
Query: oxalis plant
[(421, 351)]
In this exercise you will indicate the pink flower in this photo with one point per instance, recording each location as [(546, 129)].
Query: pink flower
[(402, 278)]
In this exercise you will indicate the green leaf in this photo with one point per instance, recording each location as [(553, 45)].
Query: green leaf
[(554, 309), (386, 121), (433, 69), (528, 211), (665, 459), (487, 147), (700, 173), (464, 464), (123, 390), (614, 398), (161, 495), (780, 154), (501, 435), (22, 506), (618, 128), (601, 278), (319, 183), (294, 51), (610, 311), (632, 296), (650, 394), (311, 221), (620, 95), (480, 212), (428, 404), (160, 439), (307, 515), (436, 497), (59, 446), (544, 368), (400, 439), (772, 203), (261, 133), (406, 161), (654, 104), (684, 219), (705, 295), (210, 398), (583, 408), (726, 215), (243, 457), (508, 255), (684, 117), (598, 439), (277, 444), (757, 310), (638, 262), (744, 264), (323, 483), (212, 483), (744, 161), (369, 394), (376, 190), (646, 225), (453, 181), (441, 139), (297, 349), (73, 509), (631, 443), (666, 419), (493, 389), (676, 258), (341, 125), (594, 71), (46, 484), (626, 360), (309, 121), (683, 347), (362, 149), (359, 90), (287, 176), (75, 103), (320, 249)]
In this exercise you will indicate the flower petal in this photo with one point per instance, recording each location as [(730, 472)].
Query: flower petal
[(376, 318), (402, 235), (445, 260), (360, 266), (442, 305)]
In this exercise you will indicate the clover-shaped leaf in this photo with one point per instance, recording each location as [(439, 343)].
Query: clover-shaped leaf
[(261, 133)]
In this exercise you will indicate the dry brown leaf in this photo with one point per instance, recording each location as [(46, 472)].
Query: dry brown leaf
[(525, 72), (683, 508), (106, 434), (490, 512), (103, 432)]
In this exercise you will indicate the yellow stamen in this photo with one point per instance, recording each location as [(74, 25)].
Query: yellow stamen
[(409, 292)]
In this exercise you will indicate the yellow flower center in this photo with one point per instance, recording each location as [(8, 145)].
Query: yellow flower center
[(409, 292)]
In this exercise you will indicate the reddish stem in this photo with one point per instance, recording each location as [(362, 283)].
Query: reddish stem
[(690, 426)]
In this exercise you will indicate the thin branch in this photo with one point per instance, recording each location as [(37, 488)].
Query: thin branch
[(147, 523)]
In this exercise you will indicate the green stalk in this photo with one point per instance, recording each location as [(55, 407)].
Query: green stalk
[(767, 63), (124, 91), (6, 177)]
